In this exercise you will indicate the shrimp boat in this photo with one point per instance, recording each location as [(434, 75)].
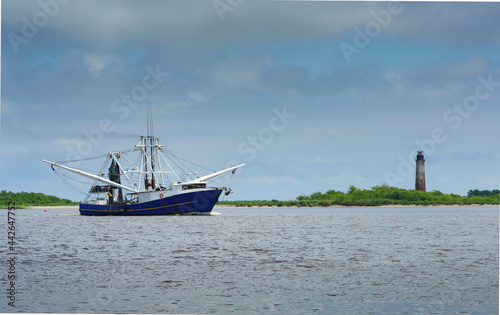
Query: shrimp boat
[(143, 188)]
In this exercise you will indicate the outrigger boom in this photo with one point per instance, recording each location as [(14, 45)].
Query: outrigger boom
[(204, 178), (91, 176)]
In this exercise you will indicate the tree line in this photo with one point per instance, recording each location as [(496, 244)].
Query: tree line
[(27, 199), (483, 193), (377, 196)]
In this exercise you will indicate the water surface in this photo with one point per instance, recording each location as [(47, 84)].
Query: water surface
[(305, 260)]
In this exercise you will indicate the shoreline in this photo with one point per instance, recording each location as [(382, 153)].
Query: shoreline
[(284, 207), (52, 207), (383, 206)]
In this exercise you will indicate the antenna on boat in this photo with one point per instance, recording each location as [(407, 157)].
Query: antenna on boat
[(150, 129)]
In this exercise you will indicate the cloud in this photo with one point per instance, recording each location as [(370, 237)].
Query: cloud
[(236, 73), (322, 161), (197, 97), (99, 65), (95, 63), (179, 22), (447, 23), (64, 142), (436, 80), (469, 68)]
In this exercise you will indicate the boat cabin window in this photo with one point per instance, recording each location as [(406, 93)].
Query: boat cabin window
[(193, 186)]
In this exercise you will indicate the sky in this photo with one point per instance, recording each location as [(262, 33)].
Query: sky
[(311, 95)]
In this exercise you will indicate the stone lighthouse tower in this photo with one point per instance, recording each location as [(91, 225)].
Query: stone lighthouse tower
[(420, 174)]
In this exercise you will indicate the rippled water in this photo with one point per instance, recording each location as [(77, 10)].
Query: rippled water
[(324, 260)]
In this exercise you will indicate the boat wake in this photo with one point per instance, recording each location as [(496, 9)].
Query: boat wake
[(195, 213)]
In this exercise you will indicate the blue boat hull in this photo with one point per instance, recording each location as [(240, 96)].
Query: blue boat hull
[(199, 201)]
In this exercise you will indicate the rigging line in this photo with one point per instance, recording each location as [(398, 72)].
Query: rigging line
[(124, 151), (224, 185), (101, 173), (178, 157), (84, 159), (76, 180), (180, 168), (87, 170), (227, 178), (169, 154), (97, 156), (65, 181)]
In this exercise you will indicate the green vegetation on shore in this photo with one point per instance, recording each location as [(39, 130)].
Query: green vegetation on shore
[(26, 199), (377, 196), (483, 193)]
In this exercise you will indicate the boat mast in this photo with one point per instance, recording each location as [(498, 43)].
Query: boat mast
[(151, 142), (146, 181)]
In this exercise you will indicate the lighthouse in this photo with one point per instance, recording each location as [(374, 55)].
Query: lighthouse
[(420, 174)]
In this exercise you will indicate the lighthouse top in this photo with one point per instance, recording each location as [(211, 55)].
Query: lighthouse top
[(420, 155)]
